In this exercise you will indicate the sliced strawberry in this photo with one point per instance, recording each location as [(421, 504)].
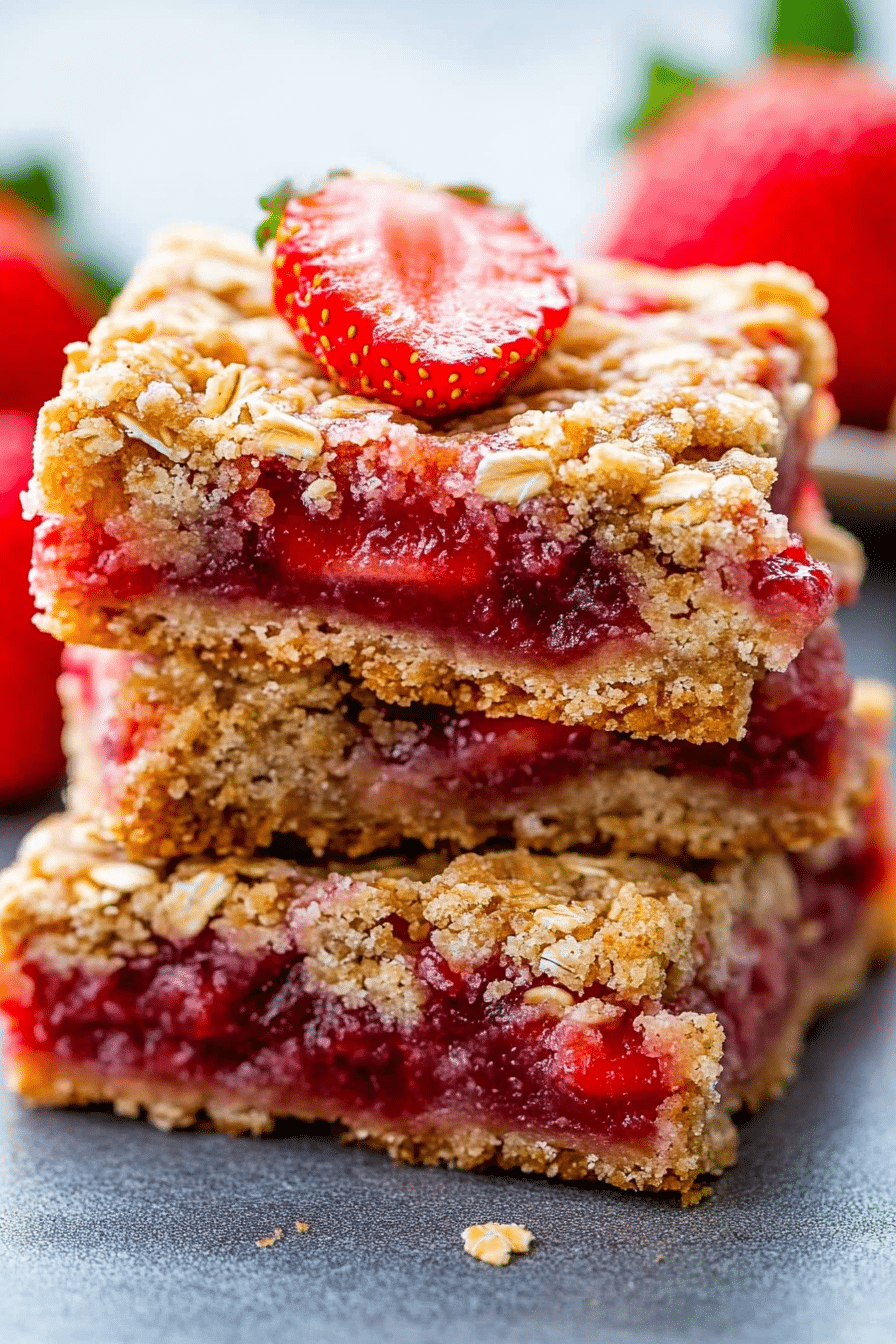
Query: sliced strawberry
[(610, 1065), (427, 299)]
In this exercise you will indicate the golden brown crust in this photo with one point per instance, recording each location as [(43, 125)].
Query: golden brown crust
[(229, 758), (698, 1136), (704, 697), (657, 433)]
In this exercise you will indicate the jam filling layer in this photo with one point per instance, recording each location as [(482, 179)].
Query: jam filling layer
[(202, 1013), (419, 560)]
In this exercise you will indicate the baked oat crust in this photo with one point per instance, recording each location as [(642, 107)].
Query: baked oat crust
[(658, 432), (635, 925)]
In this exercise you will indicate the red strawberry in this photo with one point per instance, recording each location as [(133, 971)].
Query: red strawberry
[(427, 299), (794, 163), (43, 306), (30, 720)]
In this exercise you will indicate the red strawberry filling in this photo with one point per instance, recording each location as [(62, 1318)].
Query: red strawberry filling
[(201, 1012), (410, 555)]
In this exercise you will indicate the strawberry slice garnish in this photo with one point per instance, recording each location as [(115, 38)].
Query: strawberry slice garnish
[(433, 300)]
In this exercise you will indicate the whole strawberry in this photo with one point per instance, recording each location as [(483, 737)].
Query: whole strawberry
[(433, 300), (30, 719), (795, 163), (44, 304)]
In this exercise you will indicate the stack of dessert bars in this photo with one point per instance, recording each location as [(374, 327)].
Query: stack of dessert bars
[(495, 788)]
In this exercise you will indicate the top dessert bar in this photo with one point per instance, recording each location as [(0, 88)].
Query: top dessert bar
[(609, 545)]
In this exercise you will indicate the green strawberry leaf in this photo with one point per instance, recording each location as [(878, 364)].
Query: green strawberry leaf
[(468, 191), (274, 203), (104, 282), (275, 199), (827, 26), (664, 85), (37, 184)]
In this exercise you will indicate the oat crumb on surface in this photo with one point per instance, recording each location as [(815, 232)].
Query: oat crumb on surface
[(265, 1242), (302, 1227), (494, 1242)]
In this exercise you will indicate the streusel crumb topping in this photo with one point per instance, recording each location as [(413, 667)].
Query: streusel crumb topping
[(665, 401), (639, 928)]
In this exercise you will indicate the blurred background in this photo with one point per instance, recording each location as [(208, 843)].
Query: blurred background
[(162, 110)]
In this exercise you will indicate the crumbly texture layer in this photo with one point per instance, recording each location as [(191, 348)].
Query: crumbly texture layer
[(633, 925), (698, 691), (653, 425), (222, 761), (655, 369)]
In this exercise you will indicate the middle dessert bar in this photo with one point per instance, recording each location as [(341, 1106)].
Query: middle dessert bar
[(181, 757), (608, 546)]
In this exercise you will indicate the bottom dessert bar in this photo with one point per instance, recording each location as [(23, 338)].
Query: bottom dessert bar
[(574, 1015)]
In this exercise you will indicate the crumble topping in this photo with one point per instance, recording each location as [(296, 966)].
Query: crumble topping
[(670, 416), (494, 1242), (637, 927)]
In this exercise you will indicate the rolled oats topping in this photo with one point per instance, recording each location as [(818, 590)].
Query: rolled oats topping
[(688, 373)]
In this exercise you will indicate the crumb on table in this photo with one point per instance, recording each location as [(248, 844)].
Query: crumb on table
[(494, 1242)]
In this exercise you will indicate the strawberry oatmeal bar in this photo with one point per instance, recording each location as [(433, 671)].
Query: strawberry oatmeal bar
[(382, 547), (607, 545), (179, 757), (568, 1014)]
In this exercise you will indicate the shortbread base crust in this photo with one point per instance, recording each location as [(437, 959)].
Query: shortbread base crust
[(692, 1151), (631, 811), (704, 698)]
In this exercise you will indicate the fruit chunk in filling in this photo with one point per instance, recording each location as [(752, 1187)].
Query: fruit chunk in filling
[(206, 1012)]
